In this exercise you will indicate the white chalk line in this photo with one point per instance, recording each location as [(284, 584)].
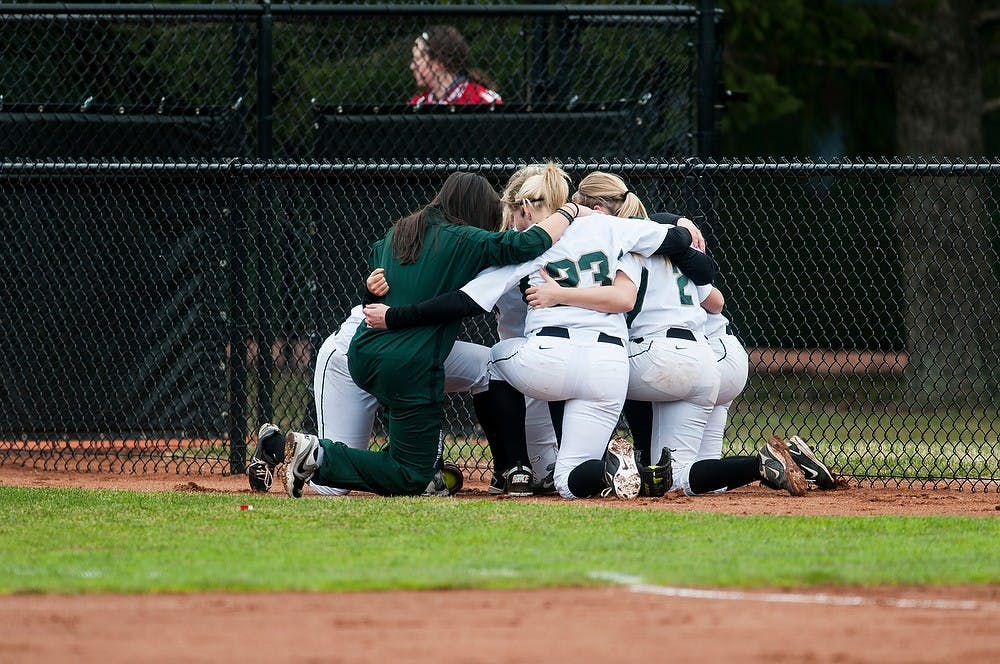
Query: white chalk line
[(634, 584)]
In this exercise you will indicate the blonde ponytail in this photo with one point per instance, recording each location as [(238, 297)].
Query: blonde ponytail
[(509, 197), (609, 192), (549, 188)]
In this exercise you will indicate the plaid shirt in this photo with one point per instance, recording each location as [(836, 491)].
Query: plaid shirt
[(462, 91)]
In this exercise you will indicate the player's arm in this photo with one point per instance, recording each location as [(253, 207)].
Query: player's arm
[(512, 247), (619, 298), (435, 311), (677, 246), (712, 300), (475, 298)]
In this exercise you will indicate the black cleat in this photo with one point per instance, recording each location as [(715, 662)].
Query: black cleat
[(518, 481), (778, 470), (269, 453), (815, 470)]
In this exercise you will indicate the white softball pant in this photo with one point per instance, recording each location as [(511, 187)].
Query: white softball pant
[(591, 376), (734, 367), (540, 436), (680, 377)]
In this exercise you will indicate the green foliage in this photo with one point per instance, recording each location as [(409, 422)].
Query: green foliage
[(793, 58), (68, 540)]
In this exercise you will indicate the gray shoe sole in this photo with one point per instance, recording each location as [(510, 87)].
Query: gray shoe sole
[(626, 481)]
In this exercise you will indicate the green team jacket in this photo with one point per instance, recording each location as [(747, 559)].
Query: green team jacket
[(405, 367)]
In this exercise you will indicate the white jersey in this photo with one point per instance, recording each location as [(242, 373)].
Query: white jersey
[(511, 310), (715, 325), (589, 254), (669, 299)]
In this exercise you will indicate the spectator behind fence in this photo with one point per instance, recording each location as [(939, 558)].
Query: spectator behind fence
[(440, 67)]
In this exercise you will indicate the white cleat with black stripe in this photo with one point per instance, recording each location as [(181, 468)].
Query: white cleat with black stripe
[(815, 470)]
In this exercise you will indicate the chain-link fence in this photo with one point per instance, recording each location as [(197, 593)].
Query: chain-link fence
[(157, 312), (335, 81), (165, 293)]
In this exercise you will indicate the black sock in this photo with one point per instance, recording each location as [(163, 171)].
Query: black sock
[(481, 403), (587, 479), (507, 408), (639, 416), (728, 473), (556, 410)]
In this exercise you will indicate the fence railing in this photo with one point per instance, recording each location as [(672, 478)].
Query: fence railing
[(333, 81), (155, 312)]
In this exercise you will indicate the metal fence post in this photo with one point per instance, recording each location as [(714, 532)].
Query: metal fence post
[(707, 83), (265, 230), (703, 194), (238, 329)]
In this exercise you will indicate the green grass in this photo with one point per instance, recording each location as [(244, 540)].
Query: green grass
[(72, 540)]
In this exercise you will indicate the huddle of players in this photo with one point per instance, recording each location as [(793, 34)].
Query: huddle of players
[(616, 309)]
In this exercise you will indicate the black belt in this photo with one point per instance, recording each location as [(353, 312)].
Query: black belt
[(674, 333), (563, 333)]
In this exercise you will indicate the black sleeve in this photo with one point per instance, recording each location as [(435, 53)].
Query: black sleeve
[(677, 241), (696, 266), (441, 309), (368, 297), (693, 264), (665, 217)]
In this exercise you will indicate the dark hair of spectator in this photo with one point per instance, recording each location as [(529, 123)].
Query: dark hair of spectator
[(446, 45)]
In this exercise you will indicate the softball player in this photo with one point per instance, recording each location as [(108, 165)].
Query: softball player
[(672, 365), (511, 310), (346, 413), (423, 255)]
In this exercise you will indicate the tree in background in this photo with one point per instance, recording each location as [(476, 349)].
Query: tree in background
[(947, 235), (925, 75)]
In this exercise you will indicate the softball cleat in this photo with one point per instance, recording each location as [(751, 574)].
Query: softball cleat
[(777, 469), (815, 470), (620, 470), (304, 463)]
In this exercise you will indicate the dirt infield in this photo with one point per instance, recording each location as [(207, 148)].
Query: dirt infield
[(849, 500), (621, 623)]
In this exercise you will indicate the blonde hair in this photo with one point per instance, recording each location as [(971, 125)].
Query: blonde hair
[(509, 197), (549, 188), (609, 191)]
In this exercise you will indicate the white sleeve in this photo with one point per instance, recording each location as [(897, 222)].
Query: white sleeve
[(489, 285), (641, 236), (704, 292), (631, 265)]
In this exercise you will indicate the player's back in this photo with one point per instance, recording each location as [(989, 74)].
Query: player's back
[(588, 255), (669, 299)]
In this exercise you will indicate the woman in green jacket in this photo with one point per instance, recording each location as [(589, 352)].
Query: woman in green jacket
[(425, 254)]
